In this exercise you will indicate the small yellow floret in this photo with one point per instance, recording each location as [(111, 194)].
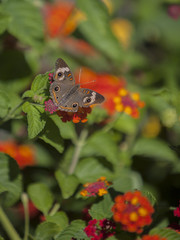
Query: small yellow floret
[(142, 212), (83, 193), (116, 99), (135, 96), (134, 201), (119, 107), (122, 92), (128, 110), (102, 191), (133, 216)]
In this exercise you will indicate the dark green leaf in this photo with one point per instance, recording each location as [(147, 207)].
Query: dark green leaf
[(60, 218), (102, 209), (127, 181), (41, 196), (26, 21), (97, 28), (4, 104), (67, 183), (46, 231), (67, 129), (154, 148), (101, 144), (10, 180), (52, 135), (89, 169), (35, 121), (75, 229), (166, 233)]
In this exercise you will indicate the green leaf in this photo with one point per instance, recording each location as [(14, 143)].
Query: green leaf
[(97, 115), (41, 196), (1, 238), (166, 233), (75, 229), (60, 218), (26, 21), (97, 29), (28, 93), (125, 124), (52, 135), (101, 144), (40, 82), (67, 129), (127, 181), (150, 196), (4, 104), (46, 231), (4, 21), (67, 183), (10, 180), (102, 209), (154, 148), (90, 169), (35, 121)]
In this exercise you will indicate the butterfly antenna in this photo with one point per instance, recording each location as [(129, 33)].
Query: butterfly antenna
[(80, 74)]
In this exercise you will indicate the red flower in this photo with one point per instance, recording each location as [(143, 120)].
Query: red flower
[(118, 99), (177, 211), (96, 188), (22, 153), (33, 211), (152, 237), (133, 211), (99, 229), (174, 11), (55, 17)]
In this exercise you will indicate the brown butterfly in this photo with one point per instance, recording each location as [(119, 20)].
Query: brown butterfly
[(66, 94)]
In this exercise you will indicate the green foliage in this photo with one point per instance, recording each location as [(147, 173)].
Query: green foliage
[(166, 233), (10, 180), (67, 184), (36, 123), (102, 209), (25, 22), (41, 196), (131, 45)]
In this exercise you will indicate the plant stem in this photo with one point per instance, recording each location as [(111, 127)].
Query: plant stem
[(11, 232), (78, 146), (54, 209), (24, 199)]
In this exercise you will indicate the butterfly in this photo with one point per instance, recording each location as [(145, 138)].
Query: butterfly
[(66, 94)]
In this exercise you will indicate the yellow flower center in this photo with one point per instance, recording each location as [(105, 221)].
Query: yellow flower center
[(142, 212), (102, 191), (133, 216), (134, 201)]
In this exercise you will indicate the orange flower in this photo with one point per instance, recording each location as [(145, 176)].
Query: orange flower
[(61, 18), (23, 154), (96, 188), (118, 99), (133, 211), (153, 237)]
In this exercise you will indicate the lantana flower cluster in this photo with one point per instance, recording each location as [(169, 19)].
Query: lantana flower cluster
[(96, 188), (23, 154), (133, 211), (113, 88), (99, 229)]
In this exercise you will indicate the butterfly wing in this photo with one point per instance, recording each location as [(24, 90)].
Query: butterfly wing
[(63, 73), (88, 97)]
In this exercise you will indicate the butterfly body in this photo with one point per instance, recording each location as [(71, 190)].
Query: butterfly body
[(67, 95)]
